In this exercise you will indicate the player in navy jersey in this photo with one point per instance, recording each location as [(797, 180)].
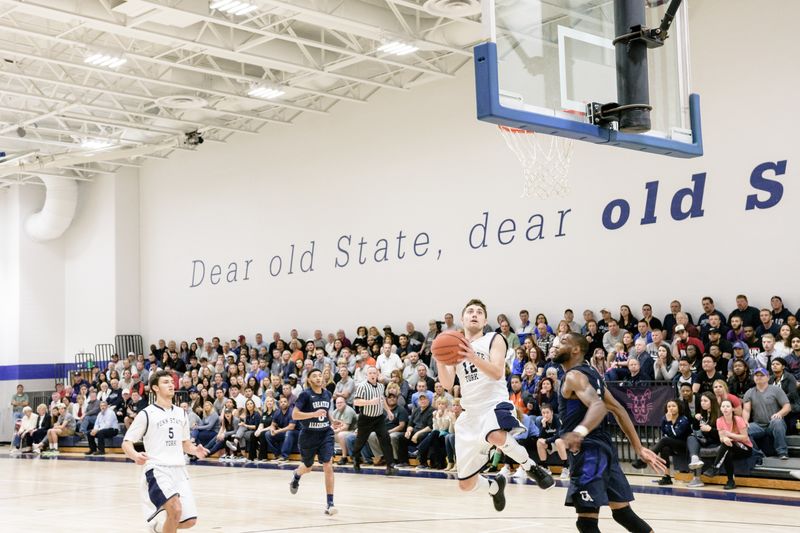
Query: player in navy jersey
[(312, 410), (596, 478)]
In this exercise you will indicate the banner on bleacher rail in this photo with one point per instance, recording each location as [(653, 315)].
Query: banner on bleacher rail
[(645, 405)]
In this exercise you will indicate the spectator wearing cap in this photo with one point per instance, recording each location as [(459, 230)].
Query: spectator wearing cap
[(788, 384), (741, 353), (765, 357), (765, 407), (766, 324), (422, 390), (715, 339), (105, 427), (121, 408), (682, 339), (749, 314)]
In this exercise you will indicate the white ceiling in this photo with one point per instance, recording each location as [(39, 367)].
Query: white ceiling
[(320, 52)]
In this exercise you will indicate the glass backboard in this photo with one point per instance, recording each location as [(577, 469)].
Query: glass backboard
[(545, 60)]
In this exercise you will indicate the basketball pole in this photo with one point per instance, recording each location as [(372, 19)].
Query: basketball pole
[(633, 87)]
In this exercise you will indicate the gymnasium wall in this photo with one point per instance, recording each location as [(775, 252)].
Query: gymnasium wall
[(420, 163)]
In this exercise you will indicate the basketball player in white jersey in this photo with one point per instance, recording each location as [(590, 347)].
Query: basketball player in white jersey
[(488, 419), (164, 429)]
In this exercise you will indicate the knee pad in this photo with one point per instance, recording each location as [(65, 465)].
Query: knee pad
[(587, 525), (630, 520)]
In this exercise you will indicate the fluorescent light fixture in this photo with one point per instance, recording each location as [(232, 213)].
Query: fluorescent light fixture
[(95, 144), (266, 93), (397, 48), (233, 7), (100, 59)]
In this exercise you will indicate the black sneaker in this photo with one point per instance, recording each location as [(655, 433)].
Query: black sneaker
[(499, 499), (541, 477), (711, 472), (294, 484), (356, 465), (730, 485), (90, 452), (638, 464), (666, 480), (342, 461), (391, 471)]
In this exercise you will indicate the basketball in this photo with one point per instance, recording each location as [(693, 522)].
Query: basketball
[(446, 346)]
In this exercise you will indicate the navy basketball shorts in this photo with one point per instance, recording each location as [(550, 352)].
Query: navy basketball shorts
[(596, 479), (315, 444)]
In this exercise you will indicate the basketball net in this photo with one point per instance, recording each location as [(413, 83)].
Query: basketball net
[(545, 161)]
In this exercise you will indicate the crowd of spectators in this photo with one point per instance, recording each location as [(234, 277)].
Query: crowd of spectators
[(239, 394)]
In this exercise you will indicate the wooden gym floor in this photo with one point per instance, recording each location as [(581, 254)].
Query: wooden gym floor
[(101, 494)]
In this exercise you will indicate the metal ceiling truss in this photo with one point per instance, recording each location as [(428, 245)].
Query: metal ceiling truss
[(189, 68)]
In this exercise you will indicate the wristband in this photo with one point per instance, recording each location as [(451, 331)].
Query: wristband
[(581, 430)]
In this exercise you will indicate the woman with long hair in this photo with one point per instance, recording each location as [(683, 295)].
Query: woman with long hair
[(599, 361), (705, 429), (665, 366), (627, 321), (228, 426), (405, 389), (545, 394), (529, 379), (261, 437), (783, 342), (734, 443), (247, 427), (721, 391), (675, 430), (327, 379)]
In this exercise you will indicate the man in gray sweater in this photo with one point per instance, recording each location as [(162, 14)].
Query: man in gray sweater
[(92, 408)]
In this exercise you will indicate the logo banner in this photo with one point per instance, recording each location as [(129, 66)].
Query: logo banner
[(644, 405)]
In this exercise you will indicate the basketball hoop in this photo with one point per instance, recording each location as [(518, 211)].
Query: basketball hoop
[(545, 161)]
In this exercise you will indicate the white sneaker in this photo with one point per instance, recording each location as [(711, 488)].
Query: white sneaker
[(14, 452), (520, 474), (696, 462), (505, 472), (564, 474), (231, 446), (331, 510), (795, 474)]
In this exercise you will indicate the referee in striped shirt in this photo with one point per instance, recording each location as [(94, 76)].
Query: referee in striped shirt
[(369, 396)]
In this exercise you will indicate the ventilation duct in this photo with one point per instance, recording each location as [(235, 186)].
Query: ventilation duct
[(61, 199)]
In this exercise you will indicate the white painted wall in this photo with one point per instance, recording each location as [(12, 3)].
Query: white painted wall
[(421, 162)]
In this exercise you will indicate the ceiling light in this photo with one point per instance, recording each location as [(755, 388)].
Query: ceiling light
[(268, 93), (397, 48), (233, 7), (100, 59), (95, 144)]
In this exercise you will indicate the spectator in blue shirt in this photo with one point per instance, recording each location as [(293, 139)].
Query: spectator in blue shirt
[(105, 427), (422, 388), (675, 428)]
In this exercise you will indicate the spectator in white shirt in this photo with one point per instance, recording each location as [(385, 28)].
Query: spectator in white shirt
[(387, 361)]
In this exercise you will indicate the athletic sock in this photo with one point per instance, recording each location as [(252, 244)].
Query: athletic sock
[(489, 485), (496, 459), (527, 465), (330, 500), (54, 446)]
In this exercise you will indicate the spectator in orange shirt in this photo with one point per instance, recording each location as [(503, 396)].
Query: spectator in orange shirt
[(517, 395)]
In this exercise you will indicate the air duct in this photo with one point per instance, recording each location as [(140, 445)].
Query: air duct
[(61, 199)]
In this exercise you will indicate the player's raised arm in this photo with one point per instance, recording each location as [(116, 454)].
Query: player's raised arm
[(576, 383)]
